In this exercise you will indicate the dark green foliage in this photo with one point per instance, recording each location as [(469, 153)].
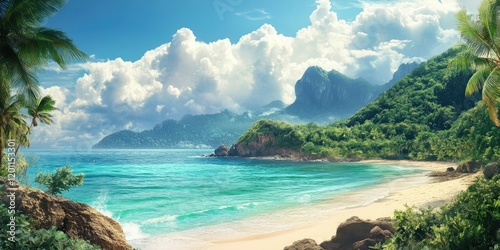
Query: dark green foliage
[(284, 134), (62, 180), (29, 238), (424, 116), (472, 221)]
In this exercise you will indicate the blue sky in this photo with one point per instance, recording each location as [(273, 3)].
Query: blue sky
[(162, 59), (128, 28)]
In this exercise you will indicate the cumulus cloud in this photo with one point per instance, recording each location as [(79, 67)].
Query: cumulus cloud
[(187, 76)]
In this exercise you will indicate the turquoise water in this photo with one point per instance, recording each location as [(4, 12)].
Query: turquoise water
[(156, 192)]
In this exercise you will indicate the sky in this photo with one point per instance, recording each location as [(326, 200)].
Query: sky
[(158, 60)]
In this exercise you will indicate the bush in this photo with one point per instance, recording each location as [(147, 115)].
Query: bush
[(472, 221), (62, 180), (29, 238)]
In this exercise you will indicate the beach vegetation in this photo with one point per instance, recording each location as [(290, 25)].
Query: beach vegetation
[(27, 237), (62, 180), (482, 55), (25, 47), (471, 221)]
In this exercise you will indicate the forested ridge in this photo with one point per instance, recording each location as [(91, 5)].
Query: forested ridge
[(424, 116)]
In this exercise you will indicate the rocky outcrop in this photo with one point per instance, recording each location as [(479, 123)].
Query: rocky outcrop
[(77, 220), (470, 166), (359, 234), (305, 244), (492, 169), (221, 151)]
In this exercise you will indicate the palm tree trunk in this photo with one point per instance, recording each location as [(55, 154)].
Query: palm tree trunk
[(19, 144)]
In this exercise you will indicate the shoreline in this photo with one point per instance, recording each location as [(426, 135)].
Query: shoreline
[(322, 220)]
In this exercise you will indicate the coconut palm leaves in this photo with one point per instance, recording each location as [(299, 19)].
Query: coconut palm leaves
[(42, 111), (12, 123), (25, 46), (482, 38)]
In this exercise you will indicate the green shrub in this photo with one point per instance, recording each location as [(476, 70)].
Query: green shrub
[(471, 221), (28, 238), (62, 180)]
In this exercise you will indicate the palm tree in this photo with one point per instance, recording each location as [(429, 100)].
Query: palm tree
[(482, 39), (26, 46), (41, 111), (12, 123)]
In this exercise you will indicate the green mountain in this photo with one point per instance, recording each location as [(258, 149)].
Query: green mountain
[(424, 116), (192, 131), (321, 94)]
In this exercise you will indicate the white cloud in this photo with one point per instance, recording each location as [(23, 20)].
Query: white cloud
[(186, 76), (255, 15)]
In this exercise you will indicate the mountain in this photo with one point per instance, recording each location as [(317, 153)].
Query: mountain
[(321, 95), (424, 116), (192, 131)]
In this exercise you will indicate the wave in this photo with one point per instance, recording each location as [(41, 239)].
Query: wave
[(132, 231), (100, 204), (218, 210)]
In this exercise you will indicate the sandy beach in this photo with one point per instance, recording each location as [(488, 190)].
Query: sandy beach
[(429, 193)]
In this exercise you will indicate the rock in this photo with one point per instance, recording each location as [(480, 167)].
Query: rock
[(470, 166), (77, 220), (450, 169), (492, 169), (233, 151), (379, 233), (221, 151), (364, 244), (305, 244), (355, 230)]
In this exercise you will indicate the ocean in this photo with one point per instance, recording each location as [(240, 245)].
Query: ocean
[(171, 191)]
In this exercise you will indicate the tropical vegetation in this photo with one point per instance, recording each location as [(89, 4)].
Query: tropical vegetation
[(471, 221), (482, 57), (29, 238), (25, 47), (425, 116), (62, 180)]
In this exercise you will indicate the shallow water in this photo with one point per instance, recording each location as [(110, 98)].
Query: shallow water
[(158, 192)]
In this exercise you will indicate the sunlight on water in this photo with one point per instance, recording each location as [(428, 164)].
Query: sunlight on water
[(155, 192)]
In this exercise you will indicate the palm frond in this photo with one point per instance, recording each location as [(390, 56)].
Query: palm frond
[(474, 34), (493, 112), (46, 44), (31, 12), (491, 88), (466, 62), (476, 81)]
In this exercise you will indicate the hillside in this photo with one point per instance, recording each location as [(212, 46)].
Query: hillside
[(192, 131), (321, 94), (421, 117)]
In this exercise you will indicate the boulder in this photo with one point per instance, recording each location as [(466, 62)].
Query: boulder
[(221, 151), (450, 169), (492, 169), (470, 166), (361, 232), (77, 220), (364, 244), (379, 233), (305, 244)]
